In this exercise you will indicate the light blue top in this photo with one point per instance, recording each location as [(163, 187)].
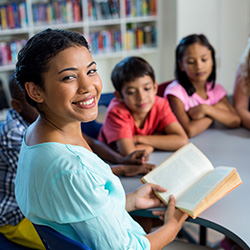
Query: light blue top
[(72, 190)]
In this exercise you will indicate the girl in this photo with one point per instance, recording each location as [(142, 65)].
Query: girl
[(242, 87), (194, 97), (60, 182)]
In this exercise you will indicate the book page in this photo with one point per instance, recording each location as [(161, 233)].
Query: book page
[(198, 192), (180, 171)]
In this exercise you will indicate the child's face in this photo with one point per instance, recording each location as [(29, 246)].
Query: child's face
[(139, 95), (197, 62), (72, 87)]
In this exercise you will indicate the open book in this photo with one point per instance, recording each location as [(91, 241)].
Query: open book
[(192, 179)]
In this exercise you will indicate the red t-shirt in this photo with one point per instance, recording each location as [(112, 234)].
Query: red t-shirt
[(119, 123)]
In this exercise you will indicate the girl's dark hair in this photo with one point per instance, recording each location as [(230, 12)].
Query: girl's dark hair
[(180, 75), (34, 57), (129, 69)]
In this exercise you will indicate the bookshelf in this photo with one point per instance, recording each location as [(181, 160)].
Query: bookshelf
[(114, 29)]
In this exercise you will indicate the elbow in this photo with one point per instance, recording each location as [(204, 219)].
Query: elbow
[(184, 140), (191, 133), (235, 123)]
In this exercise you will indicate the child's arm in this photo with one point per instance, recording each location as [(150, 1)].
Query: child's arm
[(241, 104), (108, 154), (222, 112), (131, 170), (126, 146), (171, 139), (192, 127)]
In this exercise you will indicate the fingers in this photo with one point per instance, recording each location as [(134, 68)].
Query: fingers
[(157, 188)]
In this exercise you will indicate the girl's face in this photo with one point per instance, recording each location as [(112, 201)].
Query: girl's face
[(139, 95), (72, 87), (197, 62)]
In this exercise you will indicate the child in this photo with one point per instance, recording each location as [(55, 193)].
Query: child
[(195, 98), (136, 118), (12, 222), (59, 181), (242, 87)]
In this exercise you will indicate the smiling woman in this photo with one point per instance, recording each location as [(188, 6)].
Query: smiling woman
[(67, 186)]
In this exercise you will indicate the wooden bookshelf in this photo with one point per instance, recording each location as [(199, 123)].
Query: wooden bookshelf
[(113, 28)]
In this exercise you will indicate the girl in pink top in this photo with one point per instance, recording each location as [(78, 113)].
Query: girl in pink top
[(195, 98)]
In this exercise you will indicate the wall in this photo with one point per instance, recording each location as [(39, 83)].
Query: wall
[(226, 23)]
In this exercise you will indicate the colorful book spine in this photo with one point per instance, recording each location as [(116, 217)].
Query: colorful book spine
[(140, 8), (103, 9), (105, 41), (140, 37), (9, 51), (13, 16)]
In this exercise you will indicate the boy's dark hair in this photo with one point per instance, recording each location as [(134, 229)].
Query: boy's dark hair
[(180, 75), (129, 69), (33, 59), (15, 91)]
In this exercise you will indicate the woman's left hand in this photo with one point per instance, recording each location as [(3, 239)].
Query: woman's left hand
[(144, 197)]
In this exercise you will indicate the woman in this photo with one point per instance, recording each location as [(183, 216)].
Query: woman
[(60, 182)]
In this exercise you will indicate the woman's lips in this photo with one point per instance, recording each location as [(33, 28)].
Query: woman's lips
[(86, 103)]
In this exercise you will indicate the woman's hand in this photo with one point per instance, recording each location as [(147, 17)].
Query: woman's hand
[(144, 197)]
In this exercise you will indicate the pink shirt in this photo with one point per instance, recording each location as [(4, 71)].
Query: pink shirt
[(214, 95), (119, 123)]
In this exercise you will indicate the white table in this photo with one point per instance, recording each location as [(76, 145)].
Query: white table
[(228, 147)]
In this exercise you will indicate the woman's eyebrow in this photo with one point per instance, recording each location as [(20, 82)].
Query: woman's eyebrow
[(75, 69), (91, 64)]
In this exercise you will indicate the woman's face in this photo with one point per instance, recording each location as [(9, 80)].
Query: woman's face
[(197, 62), (72, 87)]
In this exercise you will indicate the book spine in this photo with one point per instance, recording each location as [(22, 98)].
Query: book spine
[(3, 12)]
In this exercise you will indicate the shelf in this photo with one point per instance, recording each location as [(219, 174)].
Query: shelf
[(121, 34), (7, 68)]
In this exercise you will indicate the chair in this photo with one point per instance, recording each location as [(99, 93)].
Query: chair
[(54, 240), (162, 87), (92, 128), (6, 244)]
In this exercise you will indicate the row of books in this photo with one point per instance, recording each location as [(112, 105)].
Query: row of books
[(141, 37), (103, 9), (105, 41), (136, 8), (9, 51), (57, 12), (13, 16)]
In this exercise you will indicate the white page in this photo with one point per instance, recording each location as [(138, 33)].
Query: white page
[(194, 196), (183, 169)]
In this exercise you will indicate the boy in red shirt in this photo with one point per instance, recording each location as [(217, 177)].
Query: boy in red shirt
[(136, 118)]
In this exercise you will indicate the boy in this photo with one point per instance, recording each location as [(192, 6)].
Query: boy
[(136, 118), (12, 222)]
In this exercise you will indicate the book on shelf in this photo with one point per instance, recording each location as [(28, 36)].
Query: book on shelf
[(193, 180), (136, 8)]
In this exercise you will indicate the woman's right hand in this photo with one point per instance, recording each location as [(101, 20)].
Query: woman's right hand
[(172, 214)]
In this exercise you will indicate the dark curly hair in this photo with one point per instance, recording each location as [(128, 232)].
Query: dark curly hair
[(34, 57)]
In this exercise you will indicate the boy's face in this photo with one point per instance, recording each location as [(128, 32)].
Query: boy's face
[(139, 95)]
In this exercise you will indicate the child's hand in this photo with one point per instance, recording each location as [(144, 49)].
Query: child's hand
[(131, 170), (136, 157), (221, 105), (197, 112)]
